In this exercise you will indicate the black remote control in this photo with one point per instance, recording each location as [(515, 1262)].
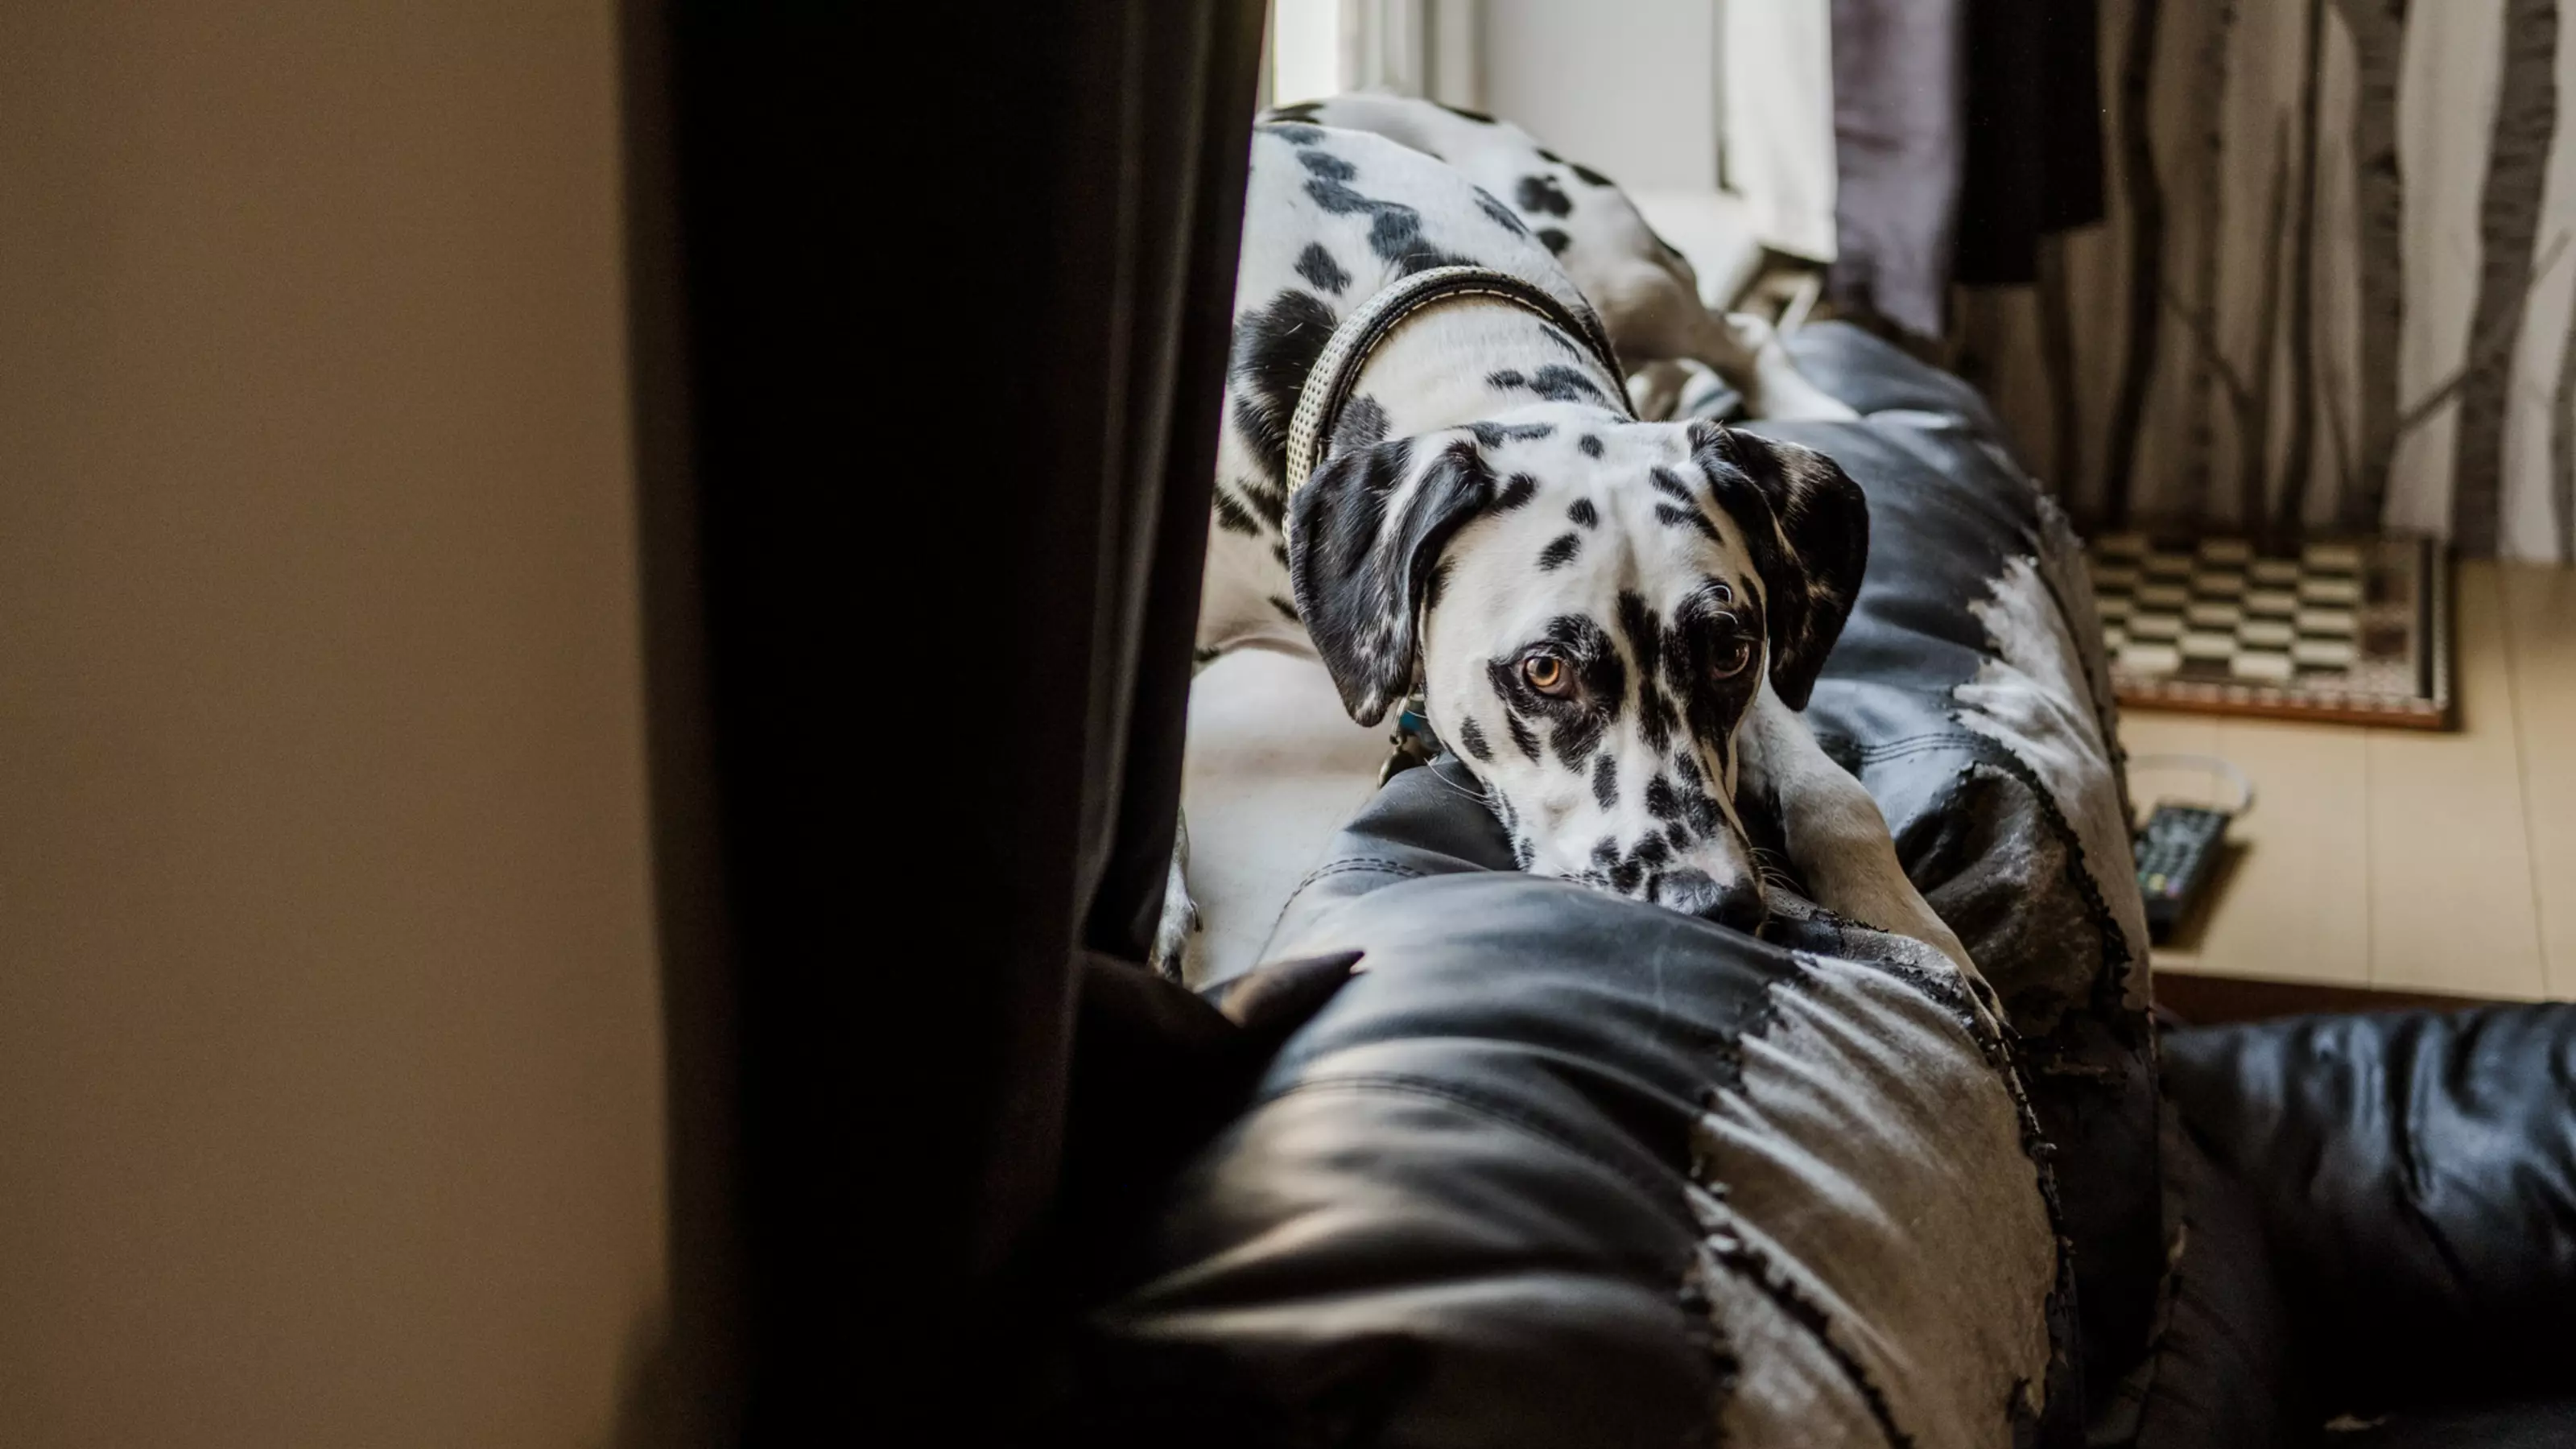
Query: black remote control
[(2176, 853)]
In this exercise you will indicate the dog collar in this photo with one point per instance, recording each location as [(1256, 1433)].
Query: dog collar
[(1337, 367)]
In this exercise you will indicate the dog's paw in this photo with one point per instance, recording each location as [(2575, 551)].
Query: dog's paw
[(1180, 921), (1780, 390)]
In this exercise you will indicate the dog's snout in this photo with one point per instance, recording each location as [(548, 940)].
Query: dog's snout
[(1693, 893)]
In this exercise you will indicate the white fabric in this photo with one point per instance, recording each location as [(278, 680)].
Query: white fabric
[(1776, 103)]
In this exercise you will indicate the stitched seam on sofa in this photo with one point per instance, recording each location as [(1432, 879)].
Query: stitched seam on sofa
[(1501, 1113), (1356, 865), (1902, 745)]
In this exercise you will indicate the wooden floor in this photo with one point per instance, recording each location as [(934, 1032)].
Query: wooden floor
[(2402, 860)]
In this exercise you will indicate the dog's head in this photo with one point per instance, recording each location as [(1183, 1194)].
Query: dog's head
[(1592, 606)]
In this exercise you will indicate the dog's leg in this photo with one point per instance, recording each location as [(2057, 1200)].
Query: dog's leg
[(1836, 836), (1655, 390), (1655, 313), (1747, 352), (1180, 921)]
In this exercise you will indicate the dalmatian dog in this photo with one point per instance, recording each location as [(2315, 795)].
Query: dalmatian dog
[(1646, 292), (1611, 622)]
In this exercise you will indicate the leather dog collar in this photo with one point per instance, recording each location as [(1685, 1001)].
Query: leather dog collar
[(1337, 368)]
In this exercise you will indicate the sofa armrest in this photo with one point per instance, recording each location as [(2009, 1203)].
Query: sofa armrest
[(2416, 1178), (1559, 1167)]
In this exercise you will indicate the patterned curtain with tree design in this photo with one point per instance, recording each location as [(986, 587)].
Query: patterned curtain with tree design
[(2335, 291)]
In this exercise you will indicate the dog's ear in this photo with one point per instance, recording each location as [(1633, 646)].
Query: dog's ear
[(1364, 535), (1807, 526)]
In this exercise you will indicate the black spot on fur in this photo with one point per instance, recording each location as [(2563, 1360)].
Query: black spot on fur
[(1590, 444), (1559, 383), (1233, 517), (1501, 215), (1361, 425), (1686, 518), (1699, 811), (1662, 801), (1556, 382), (1581, 511), (1605, 780), (1590, 176), (1670, 483), (1518, 489), (1656, 717), (1298, 135), (1472, 740), (1494, 435), (1644, 631), (1275, 347), (1521, 736), (1395, 230), (1555, 241), (1317, 266), (1542, 195), (1550, 157), (1279, 551), (1286, 609), (1479, 117), (1327, 165), (1524, 854), (1705, 817), (1268, 501), (1559, 552)]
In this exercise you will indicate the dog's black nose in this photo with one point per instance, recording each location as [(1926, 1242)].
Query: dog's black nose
[(1693, 893)]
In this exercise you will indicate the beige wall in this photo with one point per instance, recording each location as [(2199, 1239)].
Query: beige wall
[(329, 1058)]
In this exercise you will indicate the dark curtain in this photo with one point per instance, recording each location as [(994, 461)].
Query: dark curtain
[(925, 418), (1964, 132), (2033, 123), (1898, 145)]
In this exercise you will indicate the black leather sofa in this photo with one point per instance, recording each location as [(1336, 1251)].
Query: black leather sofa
[(1490, 1194)]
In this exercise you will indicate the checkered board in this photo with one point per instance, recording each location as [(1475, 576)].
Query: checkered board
[(2355, 630)]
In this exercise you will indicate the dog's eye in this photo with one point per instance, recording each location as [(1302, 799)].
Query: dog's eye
[(1731, 658), (1548, 674)]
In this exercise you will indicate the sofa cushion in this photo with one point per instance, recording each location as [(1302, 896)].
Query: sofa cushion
[(1559, 1167), (2415, 1174)]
